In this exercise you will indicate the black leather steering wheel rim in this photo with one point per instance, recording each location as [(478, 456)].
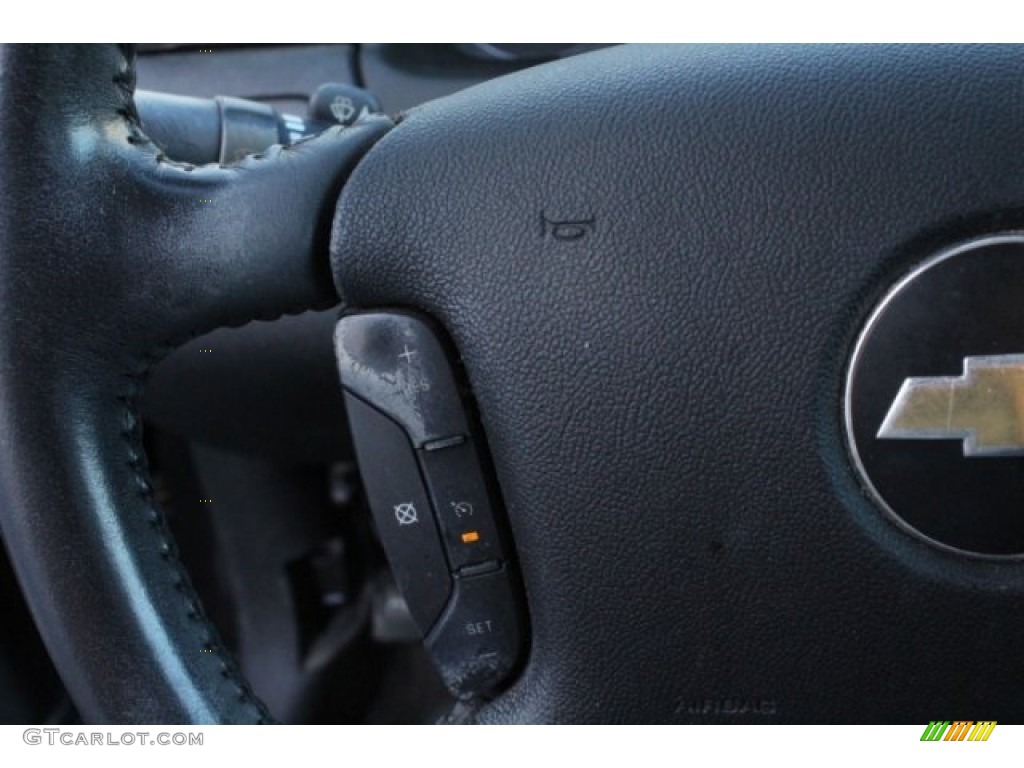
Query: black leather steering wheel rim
[(661, 395), (93, 199)]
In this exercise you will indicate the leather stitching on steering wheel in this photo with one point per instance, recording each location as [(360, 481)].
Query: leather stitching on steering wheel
[(132, 433)]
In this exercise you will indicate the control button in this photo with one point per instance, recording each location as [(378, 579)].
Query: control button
[(477, 642), (341, 103), (464, 512), (395, 362), (401, 511)]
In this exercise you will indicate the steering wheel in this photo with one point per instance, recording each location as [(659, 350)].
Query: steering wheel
[(661, 385)]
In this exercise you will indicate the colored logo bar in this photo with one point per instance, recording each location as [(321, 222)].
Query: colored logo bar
[(958, 730)]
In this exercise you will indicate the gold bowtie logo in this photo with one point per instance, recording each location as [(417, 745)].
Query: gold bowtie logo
[(984, 408)]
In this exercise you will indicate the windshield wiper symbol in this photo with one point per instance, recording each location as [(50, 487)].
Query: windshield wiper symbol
[(984, 408)]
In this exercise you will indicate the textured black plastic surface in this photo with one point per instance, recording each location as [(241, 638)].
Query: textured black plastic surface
[(401, 511), (662, 393), (398, 364), (477, 643), (110, 255), (463, 505), (394, 361)]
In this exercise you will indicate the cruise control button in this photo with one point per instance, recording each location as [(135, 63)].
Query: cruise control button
[(464, 512), (477, 641), (396, 362), (401, 511)]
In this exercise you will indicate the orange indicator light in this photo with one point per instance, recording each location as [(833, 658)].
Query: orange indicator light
[(470, 536)]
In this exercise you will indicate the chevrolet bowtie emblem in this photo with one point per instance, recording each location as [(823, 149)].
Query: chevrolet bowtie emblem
[(984, 408)]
